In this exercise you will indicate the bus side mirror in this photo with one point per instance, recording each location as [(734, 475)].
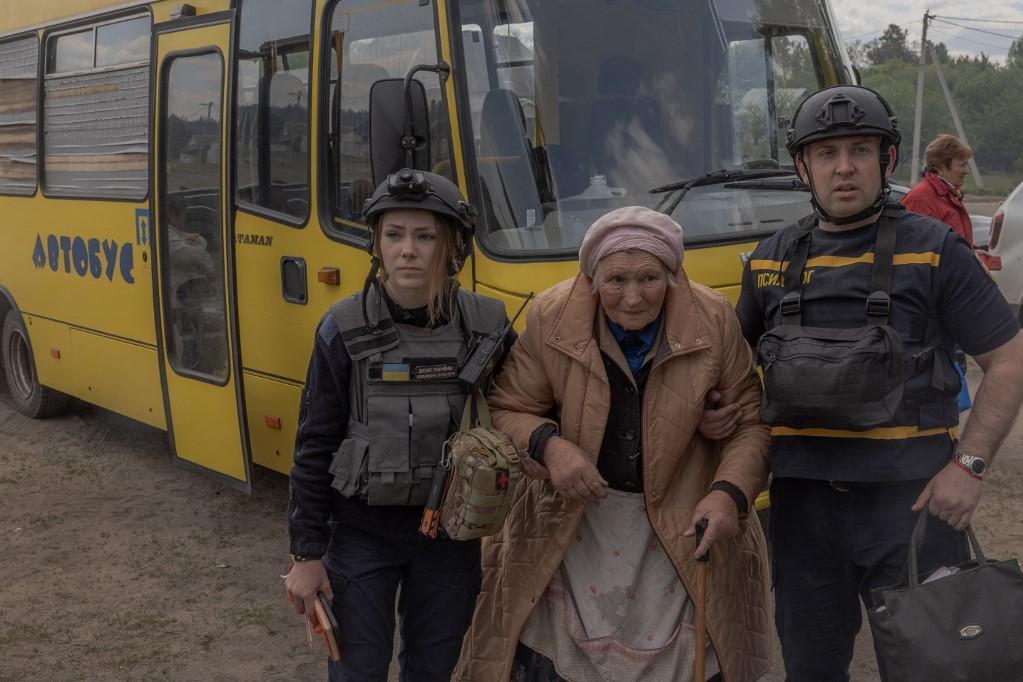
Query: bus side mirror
[(389, 117)]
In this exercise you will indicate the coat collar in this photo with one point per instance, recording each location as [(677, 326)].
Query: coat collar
[(941, 186), (684, 326)]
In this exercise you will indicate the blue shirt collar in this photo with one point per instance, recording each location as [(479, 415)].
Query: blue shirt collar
[(635, 344)]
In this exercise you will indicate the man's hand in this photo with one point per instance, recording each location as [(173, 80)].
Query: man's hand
[(717, 422), (722, 520), (572, 473), (304, 580), (952, 495)]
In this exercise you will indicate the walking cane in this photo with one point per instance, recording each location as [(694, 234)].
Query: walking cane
[(700, 602)]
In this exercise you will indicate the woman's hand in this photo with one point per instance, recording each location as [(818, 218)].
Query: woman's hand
[(572, 473), (722, 520), (717, 422), (304, 580)]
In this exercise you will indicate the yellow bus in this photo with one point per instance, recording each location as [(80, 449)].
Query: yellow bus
[(181, 183)]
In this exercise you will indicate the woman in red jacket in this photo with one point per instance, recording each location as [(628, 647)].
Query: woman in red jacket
[(940, 193)]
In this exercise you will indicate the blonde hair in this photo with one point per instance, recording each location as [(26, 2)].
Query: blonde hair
[(442, 286), (943, 150)]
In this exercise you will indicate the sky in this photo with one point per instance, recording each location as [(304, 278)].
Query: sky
[(865, 20)]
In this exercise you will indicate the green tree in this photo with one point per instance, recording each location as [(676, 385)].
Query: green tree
[(892, 46), (1015, 56)]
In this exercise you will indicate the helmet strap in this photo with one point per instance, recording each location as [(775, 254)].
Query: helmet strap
[(371, 281)]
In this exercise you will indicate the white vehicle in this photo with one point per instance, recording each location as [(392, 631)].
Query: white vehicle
[(1006, 242)]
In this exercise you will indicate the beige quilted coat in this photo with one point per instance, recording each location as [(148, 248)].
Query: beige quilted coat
[(557, 364)]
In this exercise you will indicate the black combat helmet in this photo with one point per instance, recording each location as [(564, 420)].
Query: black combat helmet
[(423, 191), (419, 190), (840, 111)]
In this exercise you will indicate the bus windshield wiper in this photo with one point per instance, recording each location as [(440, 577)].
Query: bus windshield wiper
[(718, 177), (790, 184)]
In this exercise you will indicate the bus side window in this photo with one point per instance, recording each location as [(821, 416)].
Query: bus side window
[(96, 111), (272, 123), (18, 78), (371, 41)]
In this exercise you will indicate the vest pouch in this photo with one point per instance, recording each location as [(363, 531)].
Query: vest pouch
[(431, 423), (388, 468), (815, 377), (349, 465), (484, 474)]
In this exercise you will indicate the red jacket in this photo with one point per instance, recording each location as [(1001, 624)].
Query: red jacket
[(934, 197)]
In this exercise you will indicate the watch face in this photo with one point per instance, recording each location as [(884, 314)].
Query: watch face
[(977, 466)]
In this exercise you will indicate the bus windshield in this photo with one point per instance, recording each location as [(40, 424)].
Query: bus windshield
[(582, 106)]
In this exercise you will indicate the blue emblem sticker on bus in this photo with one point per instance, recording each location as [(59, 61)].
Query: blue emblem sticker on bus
[(142, 226)]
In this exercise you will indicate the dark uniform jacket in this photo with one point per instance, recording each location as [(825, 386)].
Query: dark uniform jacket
[(940, 297)]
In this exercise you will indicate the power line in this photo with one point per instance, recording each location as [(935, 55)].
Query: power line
[(978, 30), (985, 21), (882, 30), (1000, 48)]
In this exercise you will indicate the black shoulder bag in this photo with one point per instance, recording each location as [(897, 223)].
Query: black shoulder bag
[(965, 626), (817, 377)]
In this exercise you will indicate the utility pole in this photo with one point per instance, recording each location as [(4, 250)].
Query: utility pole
[(955, 117), (914, 169)]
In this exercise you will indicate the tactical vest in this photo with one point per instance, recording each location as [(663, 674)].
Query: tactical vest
[(405, 398), (930, 382)]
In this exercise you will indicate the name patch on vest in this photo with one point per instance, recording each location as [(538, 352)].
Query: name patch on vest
[(415, 370)]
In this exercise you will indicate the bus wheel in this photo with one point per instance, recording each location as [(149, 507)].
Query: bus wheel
[(30, 398)]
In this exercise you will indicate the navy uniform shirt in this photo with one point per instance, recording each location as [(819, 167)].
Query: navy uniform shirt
[(934, 273)]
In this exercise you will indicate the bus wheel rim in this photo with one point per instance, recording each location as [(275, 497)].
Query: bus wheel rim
[(19, 364)]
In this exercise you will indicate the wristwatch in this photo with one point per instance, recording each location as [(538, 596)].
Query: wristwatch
[(974, 466)]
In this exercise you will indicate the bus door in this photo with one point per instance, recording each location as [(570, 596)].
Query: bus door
[(195, 259)]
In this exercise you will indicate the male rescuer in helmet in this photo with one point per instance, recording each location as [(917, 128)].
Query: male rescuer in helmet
[(863, 440)]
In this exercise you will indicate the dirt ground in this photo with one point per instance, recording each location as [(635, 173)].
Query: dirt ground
[(116, 565)]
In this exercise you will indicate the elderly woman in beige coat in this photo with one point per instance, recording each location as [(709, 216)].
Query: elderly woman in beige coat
[(591, 576)]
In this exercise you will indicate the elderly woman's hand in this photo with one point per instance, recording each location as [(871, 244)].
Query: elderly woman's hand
[(722, 519), (572, 473)]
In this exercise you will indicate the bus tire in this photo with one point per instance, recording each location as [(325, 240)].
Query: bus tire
[(30, 397)]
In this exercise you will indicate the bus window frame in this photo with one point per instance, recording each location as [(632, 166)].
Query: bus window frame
[(226, 225), (255, 209), (71, 26), (325, 200), (40, 67)]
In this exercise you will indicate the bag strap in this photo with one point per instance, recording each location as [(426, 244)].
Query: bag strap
[(476, 412), (792, 302), (917, 539), (879, 302), (879, 299)]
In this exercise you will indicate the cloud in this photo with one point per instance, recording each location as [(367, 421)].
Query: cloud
[(865, 20)]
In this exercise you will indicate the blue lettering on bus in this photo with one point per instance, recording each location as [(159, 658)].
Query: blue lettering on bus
[(65, 248), (80, 256), (39, 254), (127, 263), (85, 256), (110, 253), (95, 267), (53, 249)]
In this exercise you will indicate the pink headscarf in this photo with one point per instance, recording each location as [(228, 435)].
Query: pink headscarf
[(632, 227)]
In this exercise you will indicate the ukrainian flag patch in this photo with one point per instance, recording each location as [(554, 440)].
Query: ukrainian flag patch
[(395, 371)]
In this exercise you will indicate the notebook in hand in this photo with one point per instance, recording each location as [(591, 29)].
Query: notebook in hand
[(326, 625)]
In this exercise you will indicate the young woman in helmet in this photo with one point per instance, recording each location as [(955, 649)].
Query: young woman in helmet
[(380, 399)]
